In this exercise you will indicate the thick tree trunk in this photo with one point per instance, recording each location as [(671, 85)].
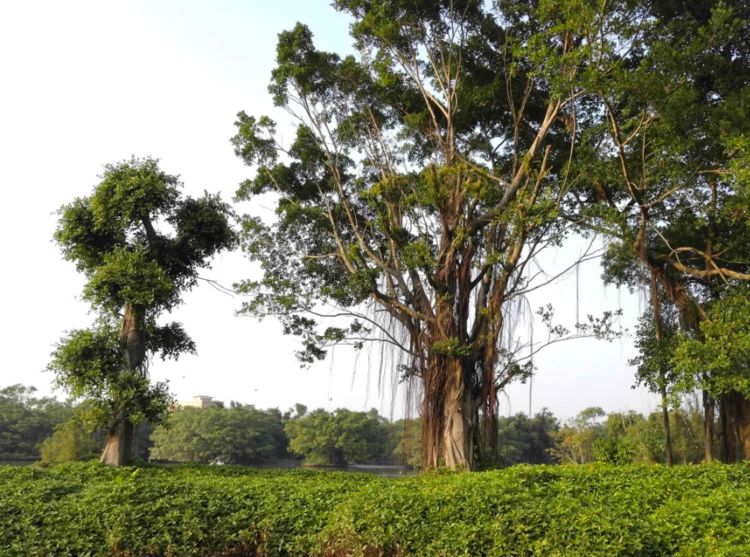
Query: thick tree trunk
[(449, 414), (743, 426), (118, 449), (735, 423), (708, 427), (458, 420)]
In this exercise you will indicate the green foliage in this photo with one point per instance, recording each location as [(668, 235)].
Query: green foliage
[(338, 438), (724, 350), (654, 367), (71, 441), (526, 440), (574, 442), (237, 435), (629, 437), (398, 179), (25, 421), (596, 510), (405, 442), (92, 365)]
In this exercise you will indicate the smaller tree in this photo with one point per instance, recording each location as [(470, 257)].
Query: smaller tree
[(620, 441), (405, 442), (574, 442), (134, 274), (656, 339)]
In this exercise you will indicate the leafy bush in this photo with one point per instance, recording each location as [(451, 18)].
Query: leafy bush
[(87, 509)]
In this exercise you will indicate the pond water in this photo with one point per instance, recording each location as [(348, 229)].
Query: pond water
[(387, 471), (377, 469)]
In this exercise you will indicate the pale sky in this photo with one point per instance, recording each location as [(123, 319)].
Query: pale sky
[(86, 83)]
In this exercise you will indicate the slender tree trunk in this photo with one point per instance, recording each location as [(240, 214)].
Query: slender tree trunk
[(493, 433), (667, 433), (725, 449), (708, 427), (118, 449), (656, 304)]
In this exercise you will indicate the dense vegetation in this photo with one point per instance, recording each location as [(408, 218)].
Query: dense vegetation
[(595, 510), (26, 421), (236, 435), (243, 434)]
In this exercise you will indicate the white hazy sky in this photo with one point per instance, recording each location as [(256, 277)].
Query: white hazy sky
[(85, 83)]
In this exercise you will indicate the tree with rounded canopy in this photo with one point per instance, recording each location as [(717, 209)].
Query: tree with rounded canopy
[(135, 272), (338, 438), (426, 173), (236, 435)]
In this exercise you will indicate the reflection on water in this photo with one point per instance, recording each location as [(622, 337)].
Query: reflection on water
[(386, 471), (377, 469)]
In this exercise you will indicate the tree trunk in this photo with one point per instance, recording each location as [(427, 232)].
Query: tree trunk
[(656, 303), (458, 419), (448, 415), (735, 411), (743, 427), (667, 433), (708, 425), (725, 452), (118, 449), (493, 434)]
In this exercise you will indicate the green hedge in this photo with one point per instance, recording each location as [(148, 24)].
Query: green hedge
[(86, 509)]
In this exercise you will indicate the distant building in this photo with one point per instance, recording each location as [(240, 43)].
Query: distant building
[(202, 401)]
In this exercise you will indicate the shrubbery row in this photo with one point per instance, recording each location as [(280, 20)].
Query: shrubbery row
[(86, 509)]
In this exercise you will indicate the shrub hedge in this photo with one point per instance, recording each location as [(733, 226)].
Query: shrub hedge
[(87, 509)]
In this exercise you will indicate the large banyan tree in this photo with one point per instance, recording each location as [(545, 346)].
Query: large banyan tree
[(425, 174)]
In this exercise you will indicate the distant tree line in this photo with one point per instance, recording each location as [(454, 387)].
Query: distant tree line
[(27, 420), (46, 429)]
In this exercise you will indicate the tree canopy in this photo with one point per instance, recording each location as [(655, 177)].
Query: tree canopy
[(339, 438), (237, 435), (659, 166)]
